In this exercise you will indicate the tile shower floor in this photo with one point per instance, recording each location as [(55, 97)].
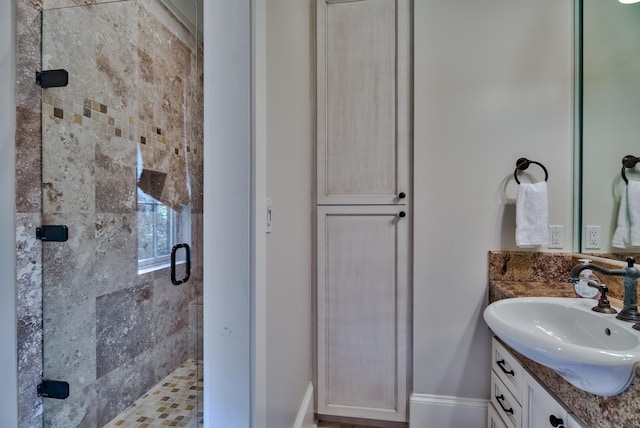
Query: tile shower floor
[(174, 402)]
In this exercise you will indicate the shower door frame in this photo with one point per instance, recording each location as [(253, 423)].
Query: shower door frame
[(161, 332), (8, 318)]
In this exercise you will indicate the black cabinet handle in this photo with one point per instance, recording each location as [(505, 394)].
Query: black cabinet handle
[(174, 281), (500, 398), (556, 422), (402, 214), (501, 364), (402, 195)]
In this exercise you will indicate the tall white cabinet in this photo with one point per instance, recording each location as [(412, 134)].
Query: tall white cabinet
[(363, 208)]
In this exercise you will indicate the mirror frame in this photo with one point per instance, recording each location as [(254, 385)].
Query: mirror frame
[(577, 126)]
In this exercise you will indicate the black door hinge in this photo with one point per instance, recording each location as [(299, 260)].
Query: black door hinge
[(53, 389), (58, 233), (52, 78)]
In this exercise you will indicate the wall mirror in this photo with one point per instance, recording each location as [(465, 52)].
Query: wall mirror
[(609, 78)]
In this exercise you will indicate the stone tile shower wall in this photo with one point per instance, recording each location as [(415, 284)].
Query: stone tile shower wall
[(28, 211), (135, 91)]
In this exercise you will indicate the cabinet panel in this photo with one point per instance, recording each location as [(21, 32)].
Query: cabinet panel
[(363, 56), (362, 312), (542, 409)]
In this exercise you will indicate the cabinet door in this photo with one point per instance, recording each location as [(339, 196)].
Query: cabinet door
[(363, 101), (542, 409), (362, 303), (493, 418)]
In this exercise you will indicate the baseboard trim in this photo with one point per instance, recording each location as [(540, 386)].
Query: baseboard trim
[(305, 417), (441, 410)]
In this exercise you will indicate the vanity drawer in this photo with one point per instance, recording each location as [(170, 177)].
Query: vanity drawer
[(505, 403), (508, 369), (494, 420)]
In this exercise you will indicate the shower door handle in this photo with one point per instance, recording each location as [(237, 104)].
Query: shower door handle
[(187, 274)]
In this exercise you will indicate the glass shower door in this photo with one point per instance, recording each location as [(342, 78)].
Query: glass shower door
[(122, 171)]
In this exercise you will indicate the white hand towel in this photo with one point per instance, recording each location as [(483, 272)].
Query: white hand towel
[(621, 234), (532, 215), (627, 233), (633, 205)]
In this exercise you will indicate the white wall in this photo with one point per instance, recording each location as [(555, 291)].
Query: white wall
[(8, 350), (289, 185), (493, 82)]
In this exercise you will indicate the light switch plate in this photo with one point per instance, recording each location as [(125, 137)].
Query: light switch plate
[(269, 214)]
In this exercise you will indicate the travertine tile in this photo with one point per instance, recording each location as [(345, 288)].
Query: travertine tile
[(123, 327), (171, 304), (170, 352), (123, 386), (78, 410), (68, 171), (28, 161), (115, 160), (29, 316), (28, 54), (195, 329)]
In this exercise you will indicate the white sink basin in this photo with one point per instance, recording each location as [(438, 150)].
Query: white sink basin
[(595, 352)]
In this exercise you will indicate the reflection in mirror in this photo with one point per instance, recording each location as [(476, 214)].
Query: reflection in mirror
[(610, 122)]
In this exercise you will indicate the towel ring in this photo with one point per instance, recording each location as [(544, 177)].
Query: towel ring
[(628, 161), (523, 163)]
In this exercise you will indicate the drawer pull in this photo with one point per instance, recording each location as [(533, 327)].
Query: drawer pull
[(501, 364), (500, 398), (556, 422)]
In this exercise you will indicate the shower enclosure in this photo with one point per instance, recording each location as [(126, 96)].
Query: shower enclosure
[(122, 170)]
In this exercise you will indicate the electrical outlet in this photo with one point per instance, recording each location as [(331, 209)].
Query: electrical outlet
[(592, 237), (555, 236)]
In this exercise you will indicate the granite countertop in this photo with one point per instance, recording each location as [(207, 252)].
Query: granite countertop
[(508, 289), (620, 411)]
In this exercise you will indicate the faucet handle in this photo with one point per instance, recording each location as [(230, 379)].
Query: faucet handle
[(603, 305), (631, 261)]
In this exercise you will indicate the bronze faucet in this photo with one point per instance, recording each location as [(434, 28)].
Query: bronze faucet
[(630, 274)]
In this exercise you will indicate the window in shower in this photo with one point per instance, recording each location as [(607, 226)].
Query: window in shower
[(159, 229)]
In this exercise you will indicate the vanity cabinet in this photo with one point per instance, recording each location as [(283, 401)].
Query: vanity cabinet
[(363, 208), (518, 400)]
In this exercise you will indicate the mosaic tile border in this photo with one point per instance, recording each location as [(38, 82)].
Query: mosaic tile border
[(88, 112)]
